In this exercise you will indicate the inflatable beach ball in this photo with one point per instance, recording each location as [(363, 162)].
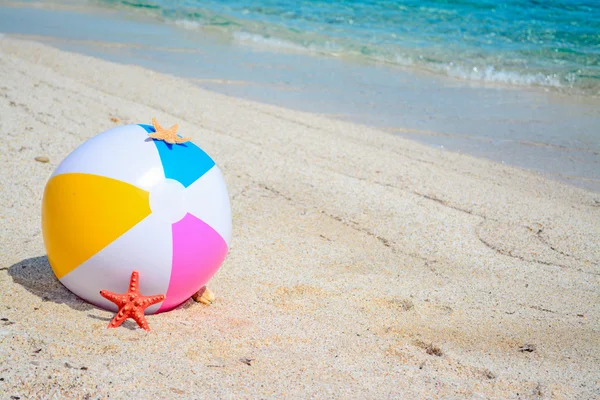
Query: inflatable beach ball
[(123, 201)]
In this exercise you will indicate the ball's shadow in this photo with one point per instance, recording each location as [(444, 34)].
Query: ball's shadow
[(36, 275)]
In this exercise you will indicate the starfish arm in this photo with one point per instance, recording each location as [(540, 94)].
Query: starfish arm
[(155, 135), (182, 140), (156, 125), (147, 301), (138, 316), (118, 299), (134, 282), (121, 316), (172, 131)]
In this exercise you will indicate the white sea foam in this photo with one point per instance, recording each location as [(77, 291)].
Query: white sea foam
[(269, 42), (187, 24), (493, 75)]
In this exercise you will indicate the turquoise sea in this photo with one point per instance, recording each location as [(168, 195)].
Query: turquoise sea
[(551, 43), (517, 82)]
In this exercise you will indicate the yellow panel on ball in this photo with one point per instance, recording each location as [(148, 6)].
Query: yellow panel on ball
[(93, 207)]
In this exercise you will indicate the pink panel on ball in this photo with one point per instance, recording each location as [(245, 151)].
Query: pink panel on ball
[(198, 252)]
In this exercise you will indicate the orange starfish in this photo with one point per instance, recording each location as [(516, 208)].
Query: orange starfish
[(168, 135), (131, 304)]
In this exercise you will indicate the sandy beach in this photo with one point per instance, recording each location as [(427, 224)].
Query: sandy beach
[(363, 265)]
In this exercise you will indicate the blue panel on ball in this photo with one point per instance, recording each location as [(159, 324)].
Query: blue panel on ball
[(183, 162)]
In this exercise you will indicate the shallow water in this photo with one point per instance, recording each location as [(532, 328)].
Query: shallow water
[(558, 135)]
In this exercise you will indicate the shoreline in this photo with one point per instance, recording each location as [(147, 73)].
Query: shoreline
[(554, 135), (362, 263)]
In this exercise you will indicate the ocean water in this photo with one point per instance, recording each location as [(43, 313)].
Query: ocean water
[(547, 43)]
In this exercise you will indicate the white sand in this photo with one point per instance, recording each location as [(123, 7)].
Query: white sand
[(355, 254)]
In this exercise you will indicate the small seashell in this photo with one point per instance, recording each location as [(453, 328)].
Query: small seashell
[(42, 159), (204, 296)]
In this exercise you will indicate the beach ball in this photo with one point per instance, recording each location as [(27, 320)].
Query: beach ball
[(123, 201)]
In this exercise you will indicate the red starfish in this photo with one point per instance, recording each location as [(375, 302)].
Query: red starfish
[(131, 304)]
